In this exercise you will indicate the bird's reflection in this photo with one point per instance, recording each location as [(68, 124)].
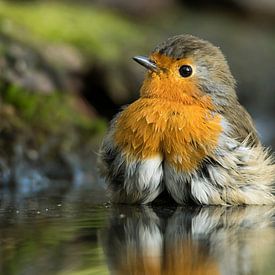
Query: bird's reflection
[(210, 240)]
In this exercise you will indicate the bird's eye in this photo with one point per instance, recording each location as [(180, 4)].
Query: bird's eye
[(185, 70)]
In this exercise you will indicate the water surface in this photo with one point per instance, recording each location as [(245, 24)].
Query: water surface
[(76, 232)]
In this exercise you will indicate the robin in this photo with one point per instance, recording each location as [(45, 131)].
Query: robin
[(187, 134)]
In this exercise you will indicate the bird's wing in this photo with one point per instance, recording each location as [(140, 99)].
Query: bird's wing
[(241, 123), (108, 152)]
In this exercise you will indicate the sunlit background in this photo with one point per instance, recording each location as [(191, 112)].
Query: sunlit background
[(65, 70)]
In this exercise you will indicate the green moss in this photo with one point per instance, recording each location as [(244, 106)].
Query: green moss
[(44, 115), (97, 32)]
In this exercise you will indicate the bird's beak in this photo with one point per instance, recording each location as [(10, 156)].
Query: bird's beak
[(147, 63)]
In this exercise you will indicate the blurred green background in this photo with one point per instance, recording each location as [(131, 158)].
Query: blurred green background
[(66, 68)]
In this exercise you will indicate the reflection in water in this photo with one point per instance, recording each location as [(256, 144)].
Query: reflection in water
[(52, 234), (73, 232), (210, 240)]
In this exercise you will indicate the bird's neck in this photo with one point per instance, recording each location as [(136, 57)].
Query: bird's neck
[(187, 94)]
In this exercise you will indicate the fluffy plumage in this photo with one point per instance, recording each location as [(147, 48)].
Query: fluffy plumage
[(188, 135)]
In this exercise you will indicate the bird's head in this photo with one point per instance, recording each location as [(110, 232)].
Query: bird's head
[(189, 70)]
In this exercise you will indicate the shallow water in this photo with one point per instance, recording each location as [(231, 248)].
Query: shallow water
[(75, 232)]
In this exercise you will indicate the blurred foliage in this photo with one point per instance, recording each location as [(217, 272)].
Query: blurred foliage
[(52, 112), (97, 32), (41, 116)]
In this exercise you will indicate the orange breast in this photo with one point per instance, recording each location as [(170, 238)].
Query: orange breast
[(182, 134)]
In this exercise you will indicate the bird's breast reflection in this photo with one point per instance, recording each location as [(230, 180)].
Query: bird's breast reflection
[(183, 240)]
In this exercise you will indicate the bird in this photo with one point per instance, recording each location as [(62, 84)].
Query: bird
[(187, 134)]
